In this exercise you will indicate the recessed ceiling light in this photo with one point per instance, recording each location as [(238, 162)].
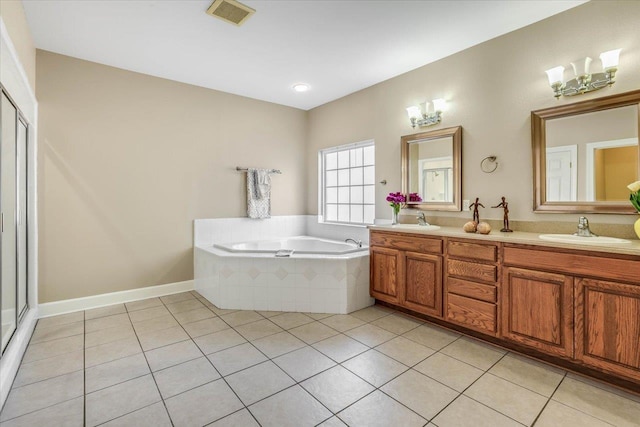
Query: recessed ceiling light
[(301, 87)]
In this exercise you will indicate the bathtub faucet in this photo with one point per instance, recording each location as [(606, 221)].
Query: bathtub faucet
[(357, 242)]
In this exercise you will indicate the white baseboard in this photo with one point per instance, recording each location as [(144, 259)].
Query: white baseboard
[(13, 355), (96, 301)]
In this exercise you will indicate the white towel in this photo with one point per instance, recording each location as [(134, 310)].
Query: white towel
[(258, 193)]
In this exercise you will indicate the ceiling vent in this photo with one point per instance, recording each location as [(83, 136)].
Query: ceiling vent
[(230, 11)]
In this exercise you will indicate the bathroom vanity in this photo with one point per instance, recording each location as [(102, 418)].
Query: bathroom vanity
[(577, 306)]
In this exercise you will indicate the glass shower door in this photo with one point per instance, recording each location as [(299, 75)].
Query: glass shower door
[(21, 216)]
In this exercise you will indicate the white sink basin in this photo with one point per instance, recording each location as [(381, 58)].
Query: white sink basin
[(416, 227), (595, 240)]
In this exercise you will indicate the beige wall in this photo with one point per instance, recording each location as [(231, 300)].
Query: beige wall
[(491, 90), (13, 16), (127, 161)]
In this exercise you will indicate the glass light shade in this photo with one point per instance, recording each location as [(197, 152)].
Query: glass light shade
[(555, 75), (581, 66), (414, 112), (610, 59), (439, 104)]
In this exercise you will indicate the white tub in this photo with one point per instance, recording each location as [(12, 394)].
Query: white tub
[(298, 244), (320, 276)]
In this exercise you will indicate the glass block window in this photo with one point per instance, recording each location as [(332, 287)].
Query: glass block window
[(347, 183)]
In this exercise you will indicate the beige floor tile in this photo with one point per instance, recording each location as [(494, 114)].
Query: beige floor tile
[(106, 336), (238, 318), (304, 363), (55, 332), (219, 341), (603, 386), (111, 351), (63, 319), (405, 351), (342, 322), (182, 296), (337, 388), (236, 358), (180, 378), (319, 316), (155, 339), (535, 376), (154, 415), (115, 321), (340, 347), (558, 415), (205, 327), (53, 348), (41, 370), (420, 393), (220, 311), (269, 314), (598, 403), (203, 405), (69, 414), (507, 398), (370, 335), (142, 304), (333, 422), (449, 371), (431, 336), (375, 367), (182, 306), (474, 352), (109, 403), (313, 332), (396, 323), (278, 344), (33, 397), (173, 354), (165, 321), (292, 407), (242, 418), (465, 412), (372, 313), (379, 410), (260, 329), (291, 320), (194, 315), (258, 382), (115, 372), (148, 313), (109, 310)]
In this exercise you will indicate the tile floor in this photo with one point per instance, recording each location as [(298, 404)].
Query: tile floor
[(178, 360)]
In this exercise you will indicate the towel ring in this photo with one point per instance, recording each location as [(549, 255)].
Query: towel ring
[(489, 164)]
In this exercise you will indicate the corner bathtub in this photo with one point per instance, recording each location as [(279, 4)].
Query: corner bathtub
[(320, 276)]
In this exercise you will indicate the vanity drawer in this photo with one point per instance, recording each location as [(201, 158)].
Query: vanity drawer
[(476, 251), (472, 313), (406, 243), (472, 270), (469, 289)]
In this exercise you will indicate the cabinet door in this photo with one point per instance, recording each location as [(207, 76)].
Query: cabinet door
[(608, 326), (423, 283), (537, 310), (385, 274)]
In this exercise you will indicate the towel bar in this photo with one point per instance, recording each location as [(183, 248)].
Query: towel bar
[(238, 168)]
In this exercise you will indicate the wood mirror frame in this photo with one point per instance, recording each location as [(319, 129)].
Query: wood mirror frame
[(456, 134), (538, 141)]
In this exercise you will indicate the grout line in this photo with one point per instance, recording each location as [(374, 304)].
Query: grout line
[(548, 400)]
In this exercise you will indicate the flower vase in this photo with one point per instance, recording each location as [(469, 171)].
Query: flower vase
[(394, 216), (636, 227)]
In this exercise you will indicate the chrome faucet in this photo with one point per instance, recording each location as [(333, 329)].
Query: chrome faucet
[(357, 242), (421, 219), (583, 228)]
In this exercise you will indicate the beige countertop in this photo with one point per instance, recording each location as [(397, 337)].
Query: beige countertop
[(518, 237)]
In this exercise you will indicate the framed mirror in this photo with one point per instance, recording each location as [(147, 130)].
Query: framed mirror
[(585, 154), (432, 167)]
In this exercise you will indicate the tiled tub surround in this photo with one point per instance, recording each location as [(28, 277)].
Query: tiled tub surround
[(178, 360), (260, 281)]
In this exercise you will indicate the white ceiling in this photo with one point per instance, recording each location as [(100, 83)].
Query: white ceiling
[(337, 47)]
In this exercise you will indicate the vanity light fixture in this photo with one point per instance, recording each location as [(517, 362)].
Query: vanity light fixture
[(584, 81), (417, 117)]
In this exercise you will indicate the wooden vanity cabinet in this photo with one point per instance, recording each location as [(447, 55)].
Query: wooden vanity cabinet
[(472, 284), (407, 271)]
